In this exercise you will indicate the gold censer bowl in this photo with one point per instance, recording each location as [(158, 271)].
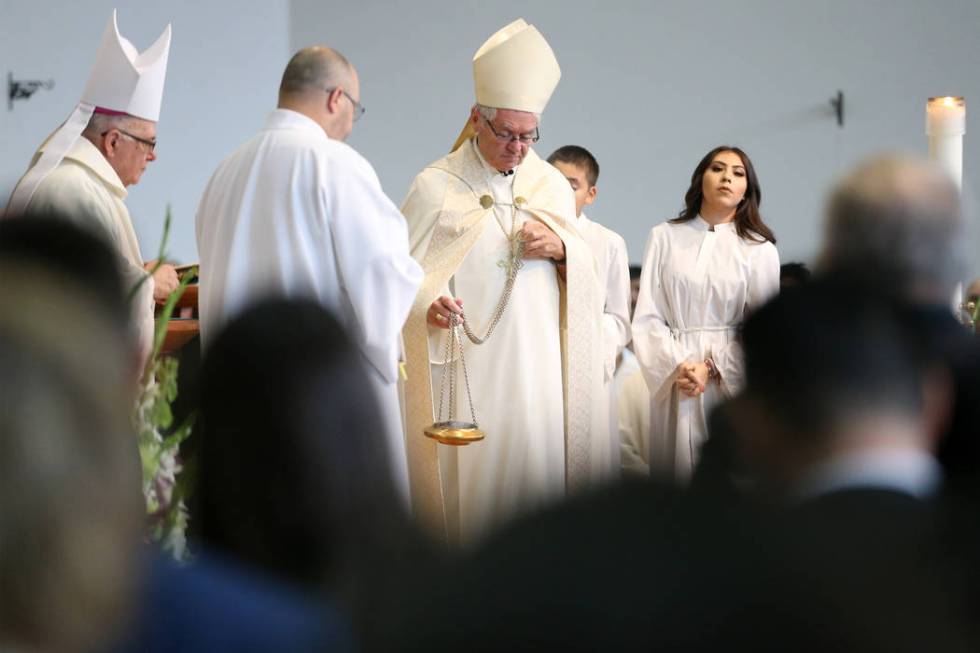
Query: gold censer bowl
[(454, 433)]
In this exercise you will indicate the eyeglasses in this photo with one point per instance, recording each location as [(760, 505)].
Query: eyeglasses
[(150, 145), (507, 137), (358, 107)]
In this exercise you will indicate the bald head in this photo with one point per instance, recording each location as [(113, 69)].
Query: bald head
[(321, 84), (313, 69), (897, 219)]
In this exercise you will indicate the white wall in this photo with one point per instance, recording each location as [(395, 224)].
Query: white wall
[(226, 59), (649, 87)]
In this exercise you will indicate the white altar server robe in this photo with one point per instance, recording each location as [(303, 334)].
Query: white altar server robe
[(634, 426), (295, 213), (695, 289), (613, 275)]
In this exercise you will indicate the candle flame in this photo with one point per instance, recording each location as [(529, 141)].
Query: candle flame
[(946, 102)]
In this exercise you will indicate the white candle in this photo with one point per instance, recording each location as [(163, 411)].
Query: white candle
[(945, 126)]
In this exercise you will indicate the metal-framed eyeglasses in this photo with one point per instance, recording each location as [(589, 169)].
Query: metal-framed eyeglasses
[(150, 145), (506, 137), (358, 107)]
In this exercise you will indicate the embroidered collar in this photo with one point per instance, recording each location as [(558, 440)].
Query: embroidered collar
[(85, 153)]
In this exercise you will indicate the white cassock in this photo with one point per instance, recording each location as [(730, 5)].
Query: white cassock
[(294, 213), (626, 367), (695, 289), (85, 189), (633, 411), (634, 425), (613, 275)]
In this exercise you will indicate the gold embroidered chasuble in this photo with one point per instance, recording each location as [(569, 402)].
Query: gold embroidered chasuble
[(445, 220)]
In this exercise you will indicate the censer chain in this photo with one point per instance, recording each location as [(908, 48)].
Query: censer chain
[(454, 342), (515, 264), (466, 376)]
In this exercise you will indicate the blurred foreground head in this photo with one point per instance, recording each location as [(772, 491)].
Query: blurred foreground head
[(70, 501), (896, 223), (834, 371), (80, 255), (294, 475)]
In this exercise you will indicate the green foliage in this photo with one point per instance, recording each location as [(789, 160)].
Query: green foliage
[(163, 488)]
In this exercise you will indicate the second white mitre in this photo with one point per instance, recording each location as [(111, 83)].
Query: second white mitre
[(123, 80)]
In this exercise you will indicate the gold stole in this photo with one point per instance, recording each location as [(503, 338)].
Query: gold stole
[(460, 224)]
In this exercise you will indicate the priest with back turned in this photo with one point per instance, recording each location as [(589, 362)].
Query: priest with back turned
[(297, 212)]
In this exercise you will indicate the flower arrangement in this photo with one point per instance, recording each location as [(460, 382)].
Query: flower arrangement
[(970, 313), (163, 488)]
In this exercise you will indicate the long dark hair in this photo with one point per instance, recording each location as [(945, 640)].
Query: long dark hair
[(748, 221)]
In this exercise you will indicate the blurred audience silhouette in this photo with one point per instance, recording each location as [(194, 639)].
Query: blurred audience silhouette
[(70, 502), (292, 472)]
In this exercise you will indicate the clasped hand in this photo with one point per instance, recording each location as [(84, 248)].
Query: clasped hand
[(165, 281), (692, 378), (541, 242)]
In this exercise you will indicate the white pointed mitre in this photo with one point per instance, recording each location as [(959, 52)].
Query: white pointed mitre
[(123, 81), (126, 81), (515, 69)]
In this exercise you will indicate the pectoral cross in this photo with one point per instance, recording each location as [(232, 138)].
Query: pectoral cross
[(515, 254)]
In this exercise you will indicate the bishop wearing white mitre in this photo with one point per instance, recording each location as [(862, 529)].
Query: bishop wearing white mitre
[(81, 171), (535, 383)]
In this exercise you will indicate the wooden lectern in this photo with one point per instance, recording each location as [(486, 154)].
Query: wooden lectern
[(183, 325)]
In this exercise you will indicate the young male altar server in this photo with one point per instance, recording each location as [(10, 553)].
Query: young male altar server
[(491, 205), (82, 170), (612, 268), (297, 212)]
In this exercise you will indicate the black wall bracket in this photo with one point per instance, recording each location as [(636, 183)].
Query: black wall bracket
[(22, 89), (837, 103)]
